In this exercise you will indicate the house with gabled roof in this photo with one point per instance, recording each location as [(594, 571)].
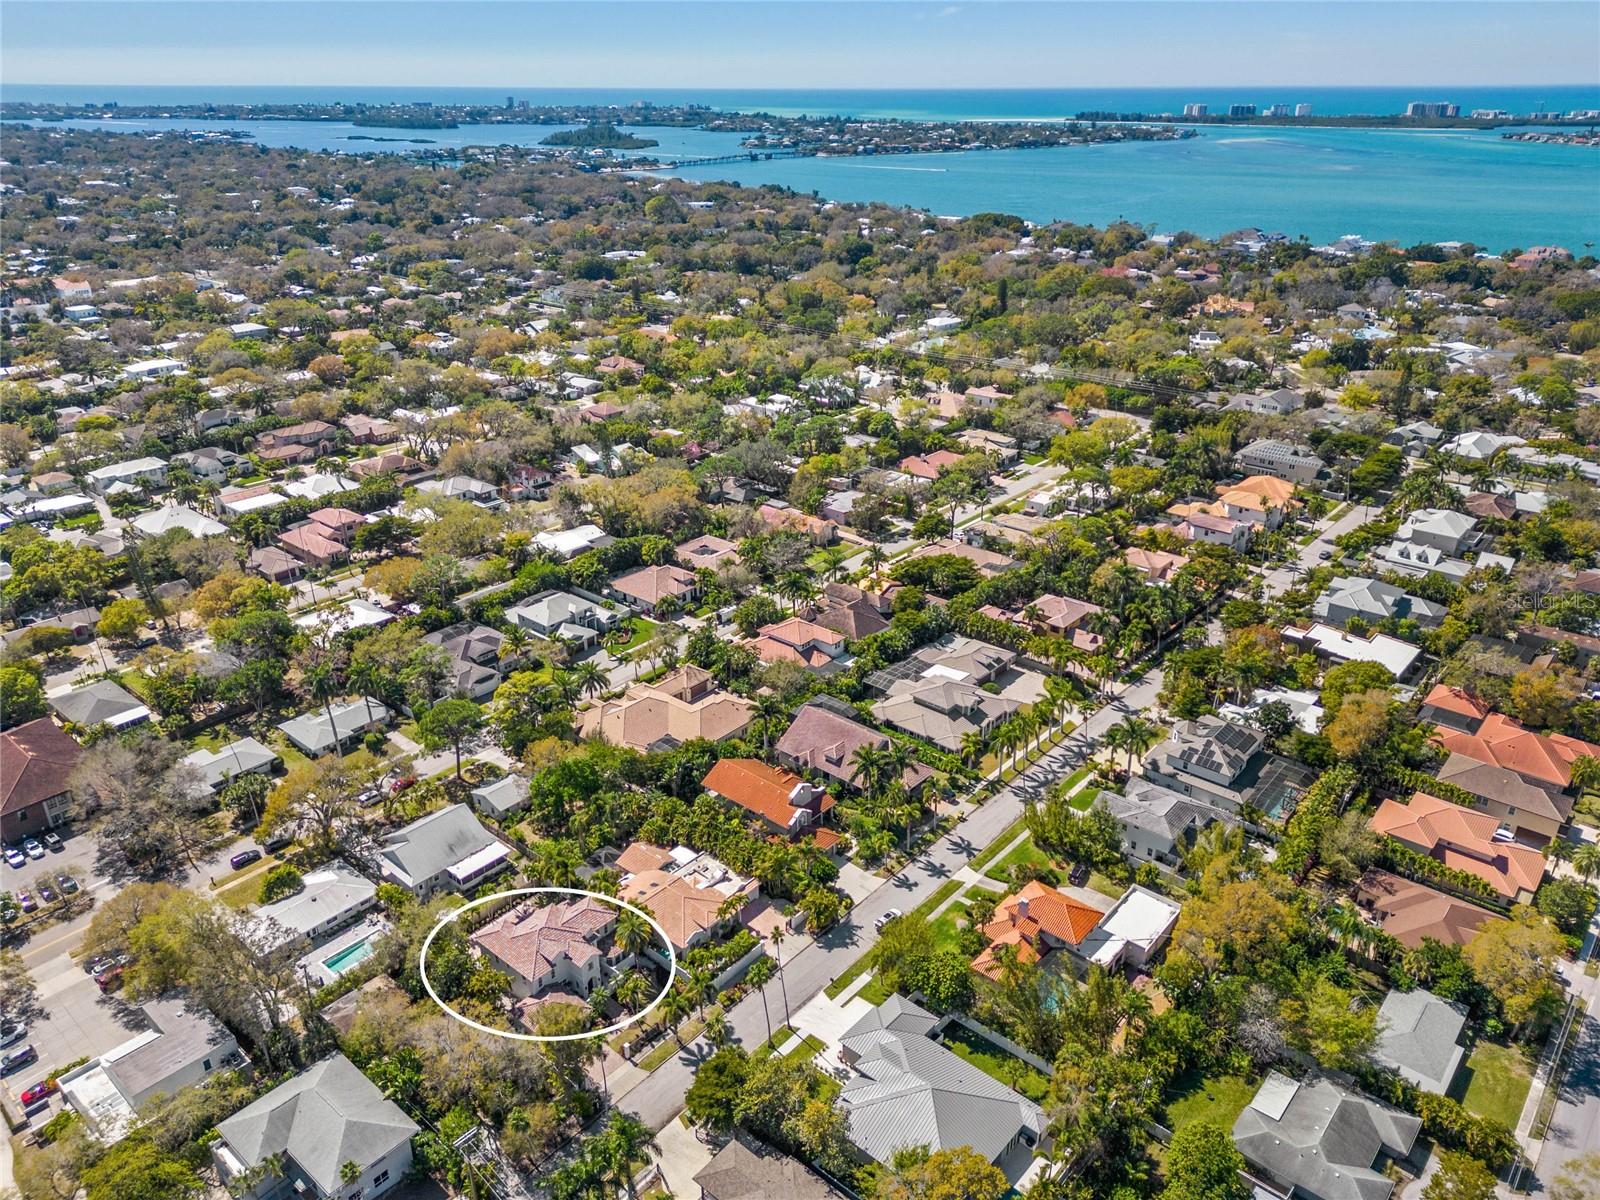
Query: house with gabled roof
[(1419, 1039), (36, 764), (564, 945), (1410, 912), (795, 639), (825, 736), (787, 804), (1037, 920), (685, 706)]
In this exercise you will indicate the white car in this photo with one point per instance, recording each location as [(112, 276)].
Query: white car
[(12, 1033), (33, 848), (886, 918), (15, 858)]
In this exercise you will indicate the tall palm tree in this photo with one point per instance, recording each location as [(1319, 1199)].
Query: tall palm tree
[(777, 950), (1137, 737), (1560, 850), (565, 685), (634, 934), (875, 559), (703, 987), (771, 709), (625, 1146), (1586, 860), (675, 1007), (590, 677), (870, 770), (633, 991), (513, 643), (757, 976)]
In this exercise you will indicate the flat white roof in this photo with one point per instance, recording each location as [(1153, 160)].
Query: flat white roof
[(1392, 653)]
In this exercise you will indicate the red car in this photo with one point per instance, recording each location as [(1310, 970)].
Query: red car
[(109, 980), (38, 1092)]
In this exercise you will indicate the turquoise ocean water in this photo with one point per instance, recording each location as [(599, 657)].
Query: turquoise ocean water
[(1386, 184)]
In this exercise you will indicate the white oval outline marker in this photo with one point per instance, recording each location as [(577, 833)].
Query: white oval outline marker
[(448, 918)]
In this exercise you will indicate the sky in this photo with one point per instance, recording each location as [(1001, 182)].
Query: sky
[(800, 43)]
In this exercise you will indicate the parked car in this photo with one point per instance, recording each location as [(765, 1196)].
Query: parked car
[(32, 848), (38, 1093), (277, 842), (15, 858), (46, 893), (66, 883), (886, 918), (1079, 875), (52, 841), (18, 1058), (26, 902), (401, 784), (109, 981), (244, 858), (12, 1032)]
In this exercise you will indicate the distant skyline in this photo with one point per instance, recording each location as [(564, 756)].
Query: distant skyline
[(746, 44)]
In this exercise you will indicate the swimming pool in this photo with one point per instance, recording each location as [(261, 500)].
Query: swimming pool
[(357, 952)]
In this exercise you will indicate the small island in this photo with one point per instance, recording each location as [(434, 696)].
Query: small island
[(602, 135)]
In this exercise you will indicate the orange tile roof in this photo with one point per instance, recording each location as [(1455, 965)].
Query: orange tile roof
[(1462, 838), (1455, 700), (763, 790), (1038, 909), (1501, 742), (682, 909)]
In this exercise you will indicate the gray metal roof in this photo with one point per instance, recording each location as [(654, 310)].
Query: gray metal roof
[(331, 890), (909, 1090), (1417, 1034), (241, 757), (1321, 1138), (436, 842), (326, 1116)]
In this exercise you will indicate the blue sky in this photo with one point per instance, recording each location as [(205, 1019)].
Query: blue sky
[(800, 44)]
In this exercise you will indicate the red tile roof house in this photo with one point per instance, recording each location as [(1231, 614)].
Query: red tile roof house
[(1464, 839), (649, 587), (929, 466), (1036, 920), (340, 524), (1453, 708), (788, 805), (798, 640), (36, 761), (560, 945), (311, 544)]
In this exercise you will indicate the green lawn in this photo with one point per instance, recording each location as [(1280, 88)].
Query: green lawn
[(996, 1063), (947, 927), (1218, 1099), (643, 631), (1000, 843), (873, 992), (1023, 852), (1106, 887), (1494, 1083)]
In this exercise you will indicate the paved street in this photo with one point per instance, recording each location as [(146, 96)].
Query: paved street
[(656, 1098)]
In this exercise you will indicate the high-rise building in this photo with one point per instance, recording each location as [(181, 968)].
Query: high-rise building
[(511, 102), (1241, 110), (1195, 110), (1432, 108), (1277, 110), (1302, 110)]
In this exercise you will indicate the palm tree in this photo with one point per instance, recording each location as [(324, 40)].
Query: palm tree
[(973, 744), (556, 862), (870, 769), (717, 1031), (757, 977), (513, 643), (1586, 860), (1346, 924), (633, 991), (565, 686), (777, 951), (634, 934), (590, 678), (625, 1146), (875, 559), (829, 561), (1137, 737), (1560, 850), (674, 1008), (703, 987), (770, 708), (1585, 772), (796, 588)]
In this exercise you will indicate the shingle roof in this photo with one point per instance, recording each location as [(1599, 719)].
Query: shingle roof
[(36, 760), (746, 1169), (1322, 1138), (1410, 912), (435, 842), (326, 1116), (1417, 1034)]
